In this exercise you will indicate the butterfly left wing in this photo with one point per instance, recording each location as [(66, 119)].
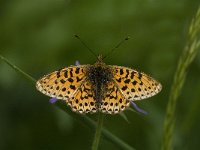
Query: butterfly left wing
[(70, 84), (135, 85), (62, 84)]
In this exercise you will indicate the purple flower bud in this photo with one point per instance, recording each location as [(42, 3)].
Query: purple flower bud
[(53, 100), (77, 63), (138, 109)]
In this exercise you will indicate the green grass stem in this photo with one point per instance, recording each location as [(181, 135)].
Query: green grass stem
[(25, 75), (188, 55), (98, 132)]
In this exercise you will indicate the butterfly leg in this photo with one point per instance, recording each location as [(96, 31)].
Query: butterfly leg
[(138, 109)]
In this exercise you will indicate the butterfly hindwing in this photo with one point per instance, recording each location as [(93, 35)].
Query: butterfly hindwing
[(83, 100), (135, 85), (113, 101)]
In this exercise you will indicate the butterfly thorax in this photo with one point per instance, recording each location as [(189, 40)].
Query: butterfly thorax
[(100, 60), (99, 75)]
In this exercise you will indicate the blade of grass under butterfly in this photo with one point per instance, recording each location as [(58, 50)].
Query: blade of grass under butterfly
[(25, 75), (188, 55)]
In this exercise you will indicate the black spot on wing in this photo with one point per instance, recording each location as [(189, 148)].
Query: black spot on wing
[(77, 70), (124, 88), (70, 80), (127, 81), (72, 87), (121, 72), (66, 74)]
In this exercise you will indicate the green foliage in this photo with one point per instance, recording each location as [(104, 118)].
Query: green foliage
[(38, 36)]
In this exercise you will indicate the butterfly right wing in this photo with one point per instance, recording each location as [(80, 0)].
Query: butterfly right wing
[(126, 85), (83, 100), (135, 85), (113, 101)]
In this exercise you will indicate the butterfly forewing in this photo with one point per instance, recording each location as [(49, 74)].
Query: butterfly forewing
[(135, 85), (62, 84)]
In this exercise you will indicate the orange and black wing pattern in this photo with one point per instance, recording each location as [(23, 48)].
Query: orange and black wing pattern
[(135, 85), (114, 100)]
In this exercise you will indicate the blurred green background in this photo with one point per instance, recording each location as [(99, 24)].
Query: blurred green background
[(37, 36)]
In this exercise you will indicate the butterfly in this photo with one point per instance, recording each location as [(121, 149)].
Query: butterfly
[(99, 87)]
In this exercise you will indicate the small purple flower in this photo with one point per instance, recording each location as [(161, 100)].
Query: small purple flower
[(77, 63), (138, 109), (53, 100)]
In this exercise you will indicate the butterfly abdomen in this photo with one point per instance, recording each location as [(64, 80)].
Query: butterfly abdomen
[(99, 76)]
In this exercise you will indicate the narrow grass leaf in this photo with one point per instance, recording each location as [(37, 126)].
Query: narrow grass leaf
[(188, 55)]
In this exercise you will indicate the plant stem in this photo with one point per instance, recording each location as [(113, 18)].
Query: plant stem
[(18, 70), (85, 120), (185, 60), (98, 132)]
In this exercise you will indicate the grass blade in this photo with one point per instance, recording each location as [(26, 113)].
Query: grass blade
[(98, 132), (25, 75), (185, 60)]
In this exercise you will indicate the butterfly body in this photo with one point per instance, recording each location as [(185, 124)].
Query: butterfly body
[(98, 87), (99, 76)]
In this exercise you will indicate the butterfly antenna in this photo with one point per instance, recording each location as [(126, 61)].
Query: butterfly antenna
[(117, 46), (76, 36)]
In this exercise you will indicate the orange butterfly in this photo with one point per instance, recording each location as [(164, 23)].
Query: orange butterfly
[(99, 87)]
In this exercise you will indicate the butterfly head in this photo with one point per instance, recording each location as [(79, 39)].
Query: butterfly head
[(99, 59)]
